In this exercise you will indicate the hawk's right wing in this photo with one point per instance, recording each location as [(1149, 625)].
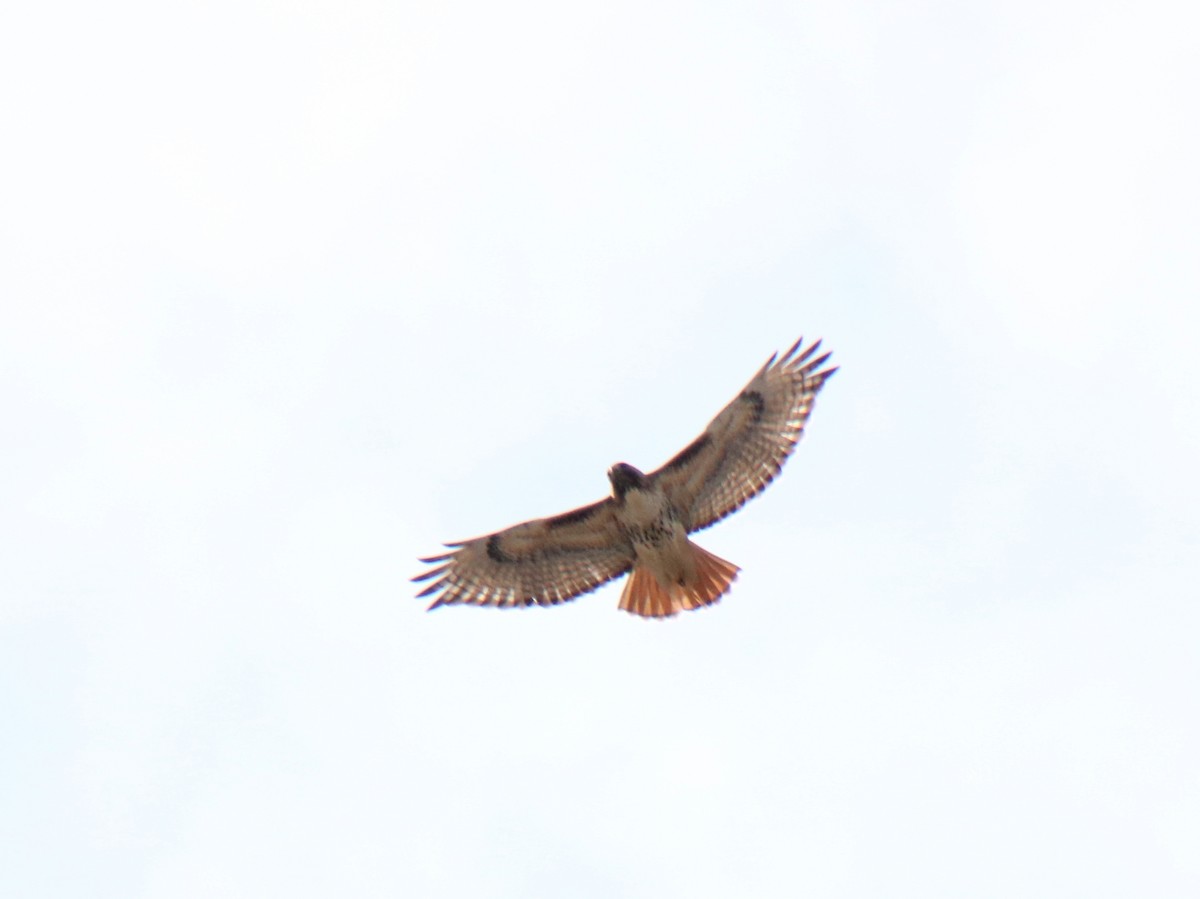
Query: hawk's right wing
[(745, 446)]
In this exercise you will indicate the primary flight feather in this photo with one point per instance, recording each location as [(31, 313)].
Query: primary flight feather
[(643, 527)]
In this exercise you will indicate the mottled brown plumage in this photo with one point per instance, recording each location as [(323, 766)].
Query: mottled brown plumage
[(644, 525)]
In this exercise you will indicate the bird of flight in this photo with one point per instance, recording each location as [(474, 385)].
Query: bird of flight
[(643, 527)]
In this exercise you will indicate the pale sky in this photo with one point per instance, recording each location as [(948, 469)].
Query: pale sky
[(293, 294)]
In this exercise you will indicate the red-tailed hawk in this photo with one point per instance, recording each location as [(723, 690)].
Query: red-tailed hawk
[(643, 527)]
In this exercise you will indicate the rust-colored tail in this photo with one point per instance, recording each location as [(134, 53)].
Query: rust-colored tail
[(645, 596)]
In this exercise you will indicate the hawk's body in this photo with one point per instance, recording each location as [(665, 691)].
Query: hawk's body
[(643, 527)]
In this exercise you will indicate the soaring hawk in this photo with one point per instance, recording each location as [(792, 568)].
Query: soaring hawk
[(643, 527)]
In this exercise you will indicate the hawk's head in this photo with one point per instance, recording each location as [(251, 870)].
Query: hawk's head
[(625, 478)]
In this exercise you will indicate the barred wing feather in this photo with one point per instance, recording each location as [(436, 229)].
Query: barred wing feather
[(744, 447), (542, 562)]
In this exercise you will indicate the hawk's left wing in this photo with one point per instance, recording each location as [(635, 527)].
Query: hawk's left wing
[(744, 447), (542, 562)]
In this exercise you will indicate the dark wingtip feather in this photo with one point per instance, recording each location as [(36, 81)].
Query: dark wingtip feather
[(426, 575), (432, 588), (800, 361), (788, 355), (816, 363)]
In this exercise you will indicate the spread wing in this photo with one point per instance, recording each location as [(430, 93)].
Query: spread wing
[(542, 562), (744, 447)]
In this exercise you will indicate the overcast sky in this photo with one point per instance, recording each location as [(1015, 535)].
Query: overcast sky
[(293, 293)]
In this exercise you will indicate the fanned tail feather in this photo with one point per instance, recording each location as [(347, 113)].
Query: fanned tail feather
[(645, 596)]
